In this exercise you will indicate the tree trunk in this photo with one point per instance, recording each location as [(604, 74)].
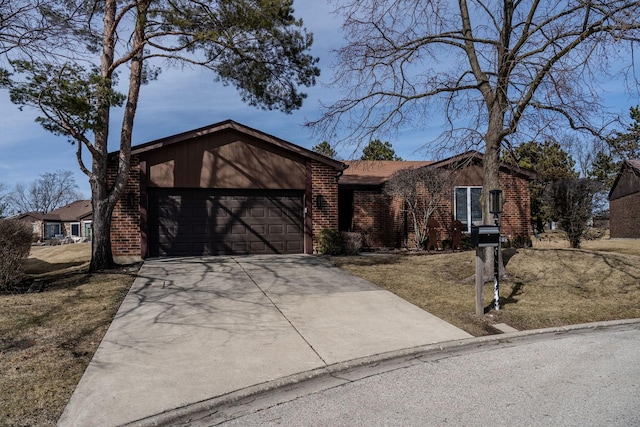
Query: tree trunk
[(104, 196), (491, 181), (101, 254)]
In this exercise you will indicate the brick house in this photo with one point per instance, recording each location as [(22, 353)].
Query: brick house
[(73, 221), (223, 189), (624, 202), (364, 208)]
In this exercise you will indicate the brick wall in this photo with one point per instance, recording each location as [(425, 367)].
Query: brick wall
[(516, 216), (323, 183), (624, 215), (125, 223), (382, 221), (378, 218)]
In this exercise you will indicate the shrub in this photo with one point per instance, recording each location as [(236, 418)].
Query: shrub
[(518, 242), (570, 202), (351, 243), (593, 234), (15, 243), (465, 243), (330, 242)]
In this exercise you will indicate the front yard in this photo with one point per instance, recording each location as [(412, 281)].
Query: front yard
[(549, 285), (49, 334)]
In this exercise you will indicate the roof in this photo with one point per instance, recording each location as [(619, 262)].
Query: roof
[(629, 184), (472, 156), (375, 172), (634, 164), (72, 212), (231, 125)]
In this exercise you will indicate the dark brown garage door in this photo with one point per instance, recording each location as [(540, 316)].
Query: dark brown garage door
[(193, 222)]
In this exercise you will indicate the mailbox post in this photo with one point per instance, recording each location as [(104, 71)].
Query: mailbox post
[(488, 236), (483, 236), (496, 209)]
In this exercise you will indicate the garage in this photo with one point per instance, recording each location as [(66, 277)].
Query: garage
[(196, 222), (223, 189)]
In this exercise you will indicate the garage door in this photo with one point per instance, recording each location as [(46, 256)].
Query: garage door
[(194, 222)]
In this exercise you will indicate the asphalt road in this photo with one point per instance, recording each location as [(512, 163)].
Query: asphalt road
[(582, 378)]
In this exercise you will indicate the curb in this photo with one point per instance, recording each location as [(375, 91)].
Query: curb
[(261, 396)]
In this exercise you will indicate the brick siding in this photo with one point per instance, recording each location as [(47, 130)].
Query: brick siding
[(125, 223), (323, 183), (378, 218), (624, 215), (382, 221), (516, 216)]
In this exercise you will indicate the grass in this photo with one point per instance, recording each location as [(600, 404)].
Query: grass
[(48, 336), (543, 287)]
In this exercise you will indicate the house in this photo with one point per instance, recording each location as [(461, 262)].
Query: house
[(624, 201), (223, 189), (366, 209), (230, 189), (73, 220)]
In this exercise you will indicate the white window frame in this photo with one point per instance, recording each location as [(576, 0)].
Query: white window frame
[(468, 189), (84, 228), (71, 224)]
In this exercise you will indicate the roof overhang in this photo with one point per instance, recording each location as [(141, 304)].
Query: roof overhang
[(231, 125)]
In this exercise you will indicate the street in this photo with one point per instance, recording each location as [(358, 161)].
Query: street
[(583, 378)]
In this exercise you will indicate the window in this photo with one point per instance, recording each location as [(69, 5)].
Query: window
[(87, 230), (75, 229), (52, 229), (467, 207)]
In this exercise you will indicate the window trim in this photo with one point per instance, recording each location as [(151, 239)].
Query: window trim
[(469, 215)]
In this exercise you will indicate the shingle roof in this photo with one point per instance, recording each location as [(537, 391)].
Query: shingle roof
[(375, 172), (71, 212)]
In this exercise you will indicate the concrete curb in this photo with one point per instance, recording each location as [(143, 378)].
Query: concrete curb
[(232, 405)]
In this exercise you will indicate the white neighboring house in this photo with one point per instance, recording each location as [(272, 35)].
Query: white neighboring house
[(72, 222)]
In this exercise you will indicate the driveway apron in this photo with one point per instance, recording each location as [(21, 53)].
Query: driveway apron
[(192, 329)]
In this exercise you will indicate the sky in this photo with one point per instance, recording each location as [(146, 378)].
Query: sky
[(185, 99)]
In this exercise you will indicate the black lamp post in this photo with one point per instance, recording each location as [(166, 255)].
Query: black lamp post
[(496, 210)]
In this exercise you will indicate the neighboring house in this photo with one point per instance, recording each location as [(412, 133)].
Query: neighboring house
[(624, 201), (223, 189), (73, 220), (364, 207)]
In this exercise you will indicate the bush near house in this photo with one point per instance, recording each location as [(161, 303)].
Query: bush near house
[(351, 243), (15, 243), (330, 242)]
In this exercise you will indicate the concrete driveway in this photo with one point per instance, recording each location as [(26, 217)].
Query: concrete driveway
[(192, 329)]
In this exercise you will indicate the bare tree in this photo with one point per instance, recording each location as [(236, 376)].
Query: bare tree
[(500, 72), (421, 191), (4, 200), (258, 47), (50, 191)]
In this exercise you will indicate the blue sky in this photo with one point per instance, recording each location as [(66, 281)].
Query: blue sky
[(184, 99)]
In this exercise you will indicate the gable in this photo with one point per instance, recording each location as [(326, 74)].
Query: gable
[(225, 159), (226, 155), (627, 182)]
